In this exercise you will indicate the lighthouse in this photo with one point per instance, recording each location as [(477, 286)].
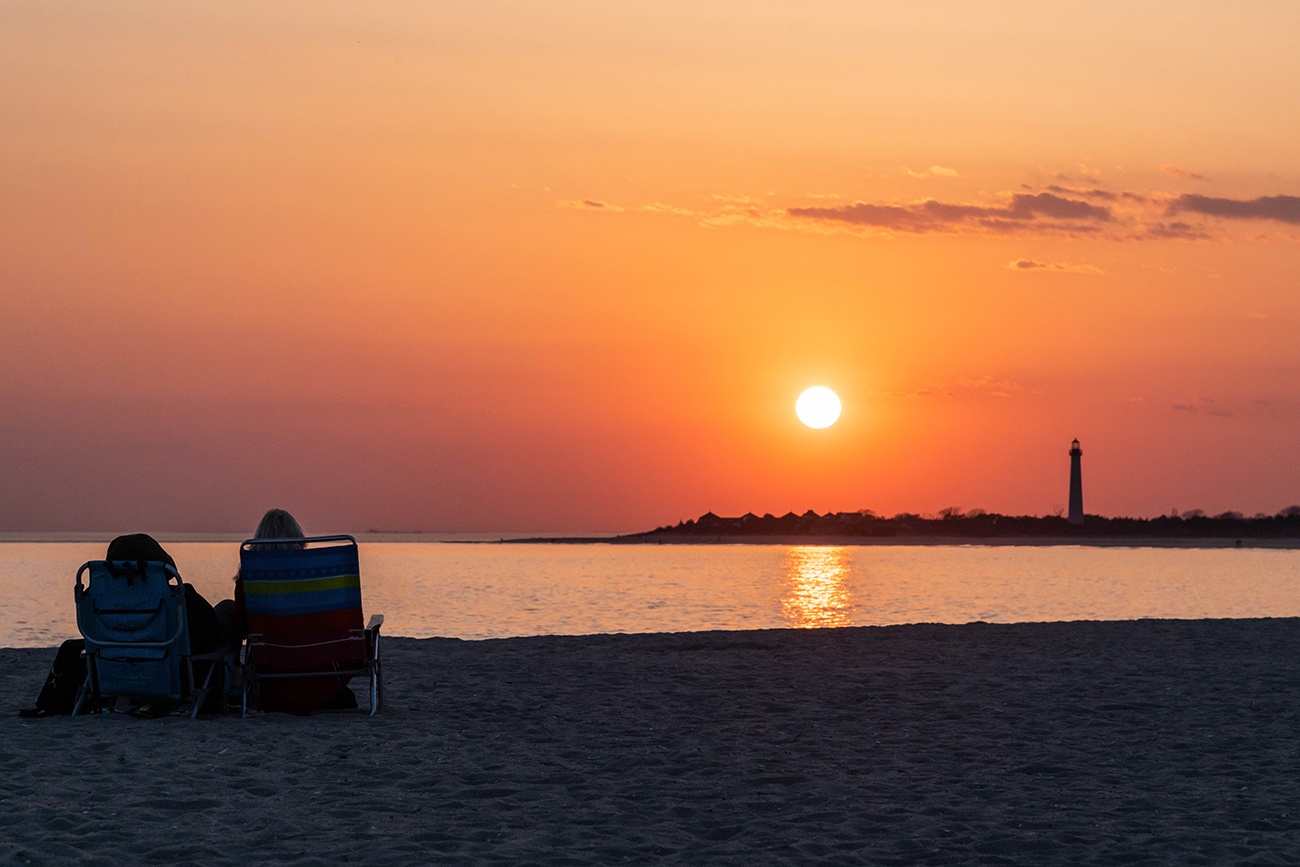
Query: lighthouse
[(1076, 484)]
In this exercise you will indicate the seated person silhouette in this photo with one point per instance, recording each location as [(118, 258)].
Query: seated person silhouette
[(294, 695), (204, 626)]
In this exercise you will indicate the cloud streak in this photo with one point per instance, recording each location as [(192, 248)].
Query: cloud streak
[(1283, 209), (1234, 407), (1054, 210), (1177, 230), (1204, 406), (934, 216), (587, 205), (1030, 265), (967, 387), (1180, 172), (932, 172)]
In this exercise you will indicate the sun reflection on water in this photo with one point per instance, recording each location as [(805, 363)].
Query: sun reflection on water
[(817, 591)]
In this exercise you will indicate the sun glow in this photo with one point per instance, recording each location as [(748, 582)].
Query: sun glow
[(818, 407)]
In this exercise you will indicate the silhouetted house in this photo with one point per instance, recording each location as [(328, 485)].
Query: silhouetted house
[(789, 522)]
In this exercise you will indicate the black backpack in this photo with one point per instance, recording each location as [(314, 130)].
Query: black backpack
[(59, 694)]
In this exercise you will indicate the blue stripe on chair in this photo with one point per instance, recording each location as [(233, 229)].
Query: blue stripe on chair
[(282, 604), (299, 562)]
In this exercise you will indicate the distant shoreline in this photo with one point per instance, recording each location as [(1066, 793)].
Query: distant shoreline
[(951, 527), (915, 541), (700, 538)]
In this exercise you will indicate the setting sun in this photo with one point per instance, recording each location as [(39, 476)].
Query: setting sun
[(564, 266), (818, 407)]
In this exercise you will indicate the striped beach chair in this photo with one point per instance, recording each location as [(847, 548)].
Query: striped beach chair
[(305, 633)]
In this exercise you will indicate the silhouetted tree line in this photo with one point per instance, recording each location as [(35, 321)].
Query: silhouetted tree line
[(977, 523)]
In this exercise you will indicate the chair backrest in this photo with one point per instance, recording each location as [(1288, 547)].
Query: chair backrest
[(132, 616), (303, 604)]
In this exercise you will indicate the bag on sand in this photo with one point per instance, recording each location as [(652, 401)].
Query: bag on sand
[(59, 694)]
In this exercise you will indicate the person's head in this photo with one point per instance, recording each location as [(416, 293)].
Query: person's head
[(139, 546), (279, 524)]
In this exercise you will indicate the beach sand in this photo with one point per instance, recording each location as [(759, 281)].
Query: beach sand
[(1152, 742)]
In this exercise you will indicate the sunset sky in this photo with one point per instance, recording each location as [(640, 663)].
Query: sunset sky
[(565, 266)]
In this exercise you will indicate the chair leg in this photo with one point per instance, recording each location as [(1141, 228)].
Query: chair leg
[(88, 698), (201, 694), (376, 676), (234, 678), (82, 693), (249, 684)]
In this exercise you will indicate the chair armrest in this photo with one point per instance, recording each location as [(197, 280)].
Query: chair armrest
[(376, 621)]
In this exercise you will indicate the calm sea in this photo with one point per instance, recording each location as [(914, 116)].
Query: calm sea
[(495, 591)]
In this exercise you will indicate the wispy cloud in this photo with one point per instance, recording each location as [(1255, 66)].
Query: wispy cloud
[(588, 205), (921, 394), (1204, 406), (1126, 196), (1284, 209), (1180, 172), (936, 216), (652, 208), (1064, 209), (1177, 230), (931, 172), (1233, 407), (1090, 193), (661, 208), (992, 386), (1029, 265), (980, 386)]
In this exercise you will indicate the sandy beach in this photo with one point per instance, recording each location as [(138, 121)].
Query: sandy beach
[(1153, 742)]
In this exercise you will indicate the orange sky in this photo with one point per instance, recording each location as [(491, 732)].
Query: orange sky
[(566, 266)]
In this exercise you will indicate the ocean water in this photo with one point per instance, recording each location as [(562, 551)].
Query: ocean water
[(476, 591)]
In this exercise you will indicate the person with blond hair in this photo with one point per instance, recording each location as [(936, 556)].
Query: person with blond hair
[(279, 524), (275, 524), (299, 695)]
